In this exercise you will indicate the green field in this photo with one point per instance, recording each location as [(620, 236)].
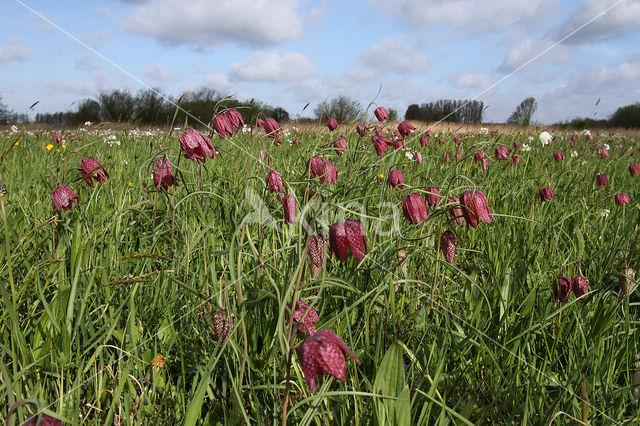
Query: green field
[(107, 312)]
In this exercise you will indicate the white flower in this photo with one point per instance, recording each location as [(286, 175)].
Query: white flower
[(531, 138), (526, 147), (409, 155), (604, 212), (88, 123), (484, 130), (545, 138), (574, 154), (606, 146), (14, 128), (586, 132)]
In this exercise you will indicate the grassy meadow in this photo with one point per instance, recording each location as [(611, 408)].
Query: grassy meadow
[(108, 311)]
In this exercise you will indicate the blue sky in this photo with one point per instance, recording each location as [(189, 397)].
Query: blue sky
[(289, 53)]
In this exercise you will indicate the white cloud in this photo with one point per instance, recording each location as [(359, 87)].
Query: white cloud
[(527, 50), (467, 16), (621, 20), (159, 73), (467, 80), (85, 62), (269, 65), (393, 54), (578, 96), (205, 23), (15, 51)]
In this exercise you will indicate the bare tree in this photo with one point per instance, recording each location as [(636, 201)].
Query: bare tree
[(523, 113), (341, 108)]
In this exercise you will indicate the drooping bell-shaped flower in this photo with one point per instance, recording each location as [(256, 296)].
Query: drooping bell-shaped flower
[(304, 317), (433, 196), (348, 235), (289, 208), (91, 169), (274, 181), (395, 178), (317, 246), (546, 194), (196, 147), (414, 208), (475, 207), (222, 126), (332, 124), (602, 180), (634, 169), (222, 324), (621, 199), (562, 289), (449, 245), (405, 128), (323, 352), (381, 113), (63, 197), (557, 155), (580, 285), (502, 152), (163, 175)]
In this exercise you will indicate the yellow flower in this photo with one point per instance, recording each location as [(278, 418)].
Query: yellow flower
[(64, 145), (130, 184), (49, 147), (158, 362), (381, 176), (404, 165), (58, 150), (17, 143)]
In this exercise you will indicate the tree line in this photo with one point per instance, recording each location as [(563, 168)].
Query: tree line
[(453, 110), (627, 116), (151, 107)]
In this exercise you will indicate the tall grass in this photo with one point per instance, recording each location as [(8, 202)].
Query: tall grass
[(106, 313)]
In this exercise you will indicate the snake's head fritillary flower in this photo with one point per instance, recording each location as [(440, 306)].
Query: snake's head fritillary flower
[(424, 141), (63, 197), (479, 156), (235, 118), (502, 152), (621, 199), (90, 168), (449, 245), (395, 178), (196, 146), (414, 208), (317, 246), (328, 172), (557, 155), (259, 122), (332, 124), (455, 211), (634, 169), (433, 196), (447, 158), (418, 156), (516, 145), (398, 143), (163, 175), (381, 113), (546, 194), (340, 145), (562, 289), (57, 138), (381, 144), (304, 317), (516, 159), (602, 180), (405, 128), (604, 153), (323, 352), (475, 207), (272, 127), (580, 285), (362, 129), (574, 138), (222, 126), (274, 180), (627, 279), (222, 324), (348, 235), (546, 138), (315, 166), (289, 207)]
